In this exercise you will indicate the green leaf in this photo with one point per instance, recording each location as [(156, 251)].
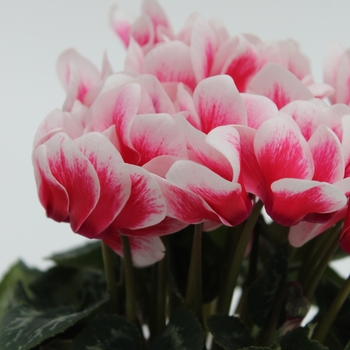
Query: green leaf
[(18, 272), (24, 327), (347, 346), (183, 332), (110, 332), (229, 332), (273, 347), (264, 291), (298, 339), (88, 256)]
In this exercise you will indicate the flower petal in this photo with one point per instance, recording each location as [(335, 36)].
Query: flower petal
[(327, 155), (218, 102), (259, 109), (114, 179), (203, 47), (302, 197), (170, 62), (281, 150), (145, 251), (121, 23), (154, 135), (77, 75), (146, 205), (76, 174), (224, 197), (52, 195), (279, 85)]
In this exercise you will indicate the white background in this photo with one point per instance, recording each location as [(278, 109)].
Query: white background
[(32, 35)]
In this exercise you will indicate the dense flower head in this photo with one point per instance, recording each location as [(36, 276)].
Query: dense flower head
[(198, 127)]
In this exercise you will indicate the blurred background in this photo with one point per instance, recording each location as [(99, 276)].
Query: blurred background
[(32, 35)]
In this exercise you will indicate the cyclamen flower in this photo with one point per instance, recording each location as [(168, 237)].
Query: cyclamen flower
[(95, 179), (202, 49), (286, 170)]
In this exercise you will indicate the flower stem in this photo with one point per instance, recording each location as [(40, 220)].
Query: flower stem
[(225, 296), (323, 328), (161, 295), (129, 281), (112, 289), (329, 248), (193, 298)]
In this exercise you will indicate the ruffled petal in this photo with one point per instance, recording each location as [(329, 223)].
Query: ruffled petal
[(142, 31), (203, 47), (184, 205), (77, 176), (77, 75), (327, 155), (342, 87), (146, 205), (218, 102), (114, 179), (156, 14), (52, 195), (223, 196), (259, 109), (145, 251), (282, 151), (154, 135), (170, 62), (301, 197), (121, 23), (305, 231), (279, 85), (253, 178), (307, 115)]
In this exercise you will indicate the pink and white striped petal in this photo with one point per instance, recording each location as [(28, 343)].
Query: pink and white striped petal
[(279, 85), (76, 174), (304, 231), (253, 178), (170, 62), (185, 103), (302, 197), (204, 152), (52, 195), (226, 198), (142, 31), (218, 102), (156, 14), (146, 205), (119, 107), (154, 98), (167, 226), (134, 57), (327, 155), (184, 205), (333, 57), (121, 22), (307, 115), (145, 251), (77, 75), (282, 151), (203, 47), (342, 87), (225, 139), (114, 179), (239, 59), (258, 108), (154, 135)]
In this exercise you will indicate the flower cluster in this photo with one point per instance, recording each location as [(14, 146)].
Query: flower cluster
[(197, 128)]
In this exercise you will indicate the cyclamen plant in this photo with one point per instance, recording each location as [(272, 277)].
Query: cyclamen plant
[(169, 164)]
